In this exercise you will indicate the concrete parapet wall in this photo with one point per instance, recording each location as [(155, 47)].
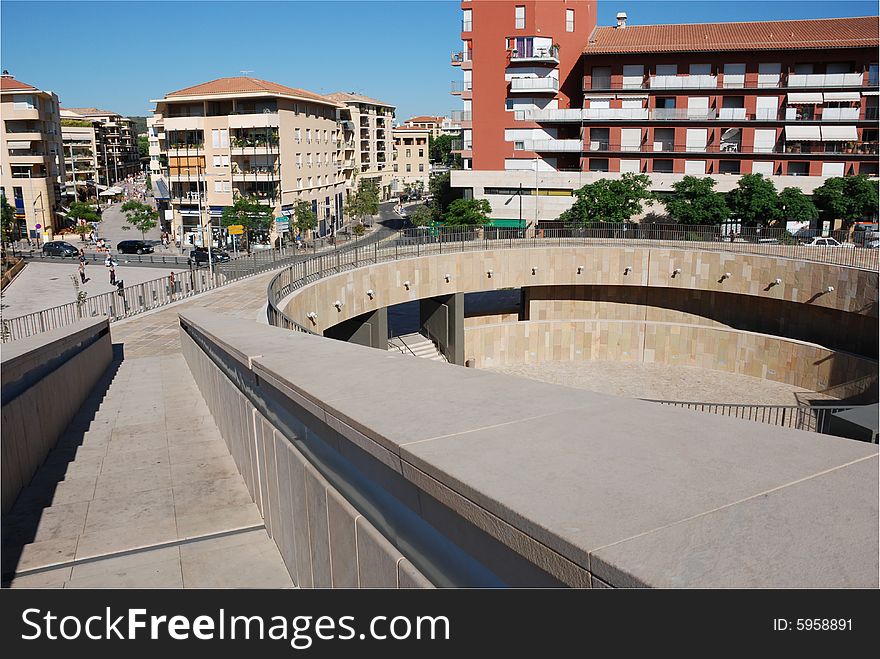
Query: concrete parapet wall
[(508, 481), (797, 363), (45, 379), (804, 282)]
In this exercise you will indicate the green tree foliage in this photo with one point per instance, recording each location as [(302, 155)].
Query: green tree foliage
[(143, 146), (142, 217), (754, 201), (365, 201), (82, 211), (442, 193), (249, 213), (440, 150), (420, 215), (303, 218), (148, 183), (846, 198), (359, 230), (609, 200), (694, 201), (794, 205), (7, 220), (467, 212)]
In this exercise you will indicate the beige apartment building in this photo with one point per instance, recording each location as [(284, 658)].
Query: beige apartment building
[(372, 121), (411, 157), (114, 148), (82, 168), (437, 125), (31, 161), (231, 137)]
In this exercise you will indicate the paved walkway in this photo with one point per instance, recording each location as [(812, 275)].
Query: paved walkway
[(142, 491), (658, 381)]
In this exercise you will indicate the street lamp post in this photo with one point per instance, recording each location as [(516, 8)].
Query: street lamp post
[(201, 221)]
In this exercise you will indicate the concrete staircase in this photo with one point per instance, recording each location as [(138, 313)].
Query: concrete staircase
[(416, 345)]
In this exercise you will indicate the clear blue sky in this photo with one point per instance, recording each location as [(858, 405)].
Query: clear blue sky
[(118, 55)]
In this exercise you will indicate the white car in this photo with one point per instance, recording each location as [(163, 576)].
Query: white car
[(818, 241)]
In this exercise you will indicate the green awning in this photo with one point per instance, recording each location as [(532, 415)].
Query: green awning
[(508, 224)]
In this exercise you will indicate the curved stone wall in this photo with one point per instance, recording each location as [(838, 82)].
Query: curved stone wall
[(797, 363), (394, 282)]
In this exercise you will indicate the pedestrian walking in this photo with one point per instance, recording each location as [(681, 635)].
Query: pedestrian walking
[(171, 283), (82, 272), (112, 275)]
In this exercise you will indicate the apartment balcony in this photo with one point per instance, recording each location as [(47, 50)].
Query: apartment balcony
[(546, 85), (561, 146), (256, 174), (840, 114), (188, 197), (25, 135), (738, 114), (462, 58), (683, 82), (185, 148), (535, 56), (459, 116), (683, 114), (825, 80), (459, 87), (257, 149), (467, 26), (577, 115)]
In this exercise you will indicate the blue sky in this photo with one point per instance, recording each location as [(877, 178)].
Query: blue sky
[(118, 55)]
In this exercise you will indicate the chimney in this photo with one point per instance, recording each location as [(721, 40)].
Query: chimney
[(621, 20)]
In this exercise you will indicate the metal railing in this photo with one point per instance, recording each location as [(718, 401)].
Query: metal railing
[(812, 419), (138, 298), (412, 243), (534, 84)]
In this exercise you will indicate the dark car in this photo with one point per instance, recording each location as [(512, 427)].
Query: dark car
[(199, 257), (59, 248), (134, 247)]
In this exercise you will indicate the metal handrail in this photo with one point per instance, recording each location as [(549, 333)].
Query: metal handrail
[(400, 348)]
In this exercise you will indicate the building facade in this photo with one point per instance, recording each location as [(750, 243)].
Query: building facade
[(244, 137), (82, 169), (795, 101), (115, 146), (31, 160), (372, 121), (411, 157)]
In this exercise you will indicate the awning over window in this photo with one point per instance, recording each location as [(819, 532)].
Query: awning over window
[(160, 189), (804, 98), (842, 96), (839, 134), (802, 133)]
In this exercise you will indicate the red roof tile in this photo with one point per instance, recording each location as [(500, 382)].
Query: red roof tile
[(239, 85), (859, 32), (426, 119), (351, 97), (11, 83)]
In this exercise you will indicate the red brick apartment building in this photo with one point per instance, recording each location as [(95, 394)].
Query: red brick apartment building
[(553, 102)]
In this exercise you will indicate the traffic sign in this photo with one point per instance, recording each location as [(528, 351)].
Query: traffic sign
[(236, 230), (38, 226)]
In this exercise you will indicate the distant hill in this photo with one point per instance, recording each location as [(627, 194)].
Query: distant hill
[(140, 124)]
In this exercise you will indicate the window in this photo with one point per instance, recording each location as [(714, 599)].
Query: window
[(409, 168), (297, 135), (601, 77), (728, 167), (225, 161), (734, 75), (663, 166), (569, 20), (299, 184), (466, 20), (310, 181), (695, 167), (520, 17), (630, 166), (832, 168), (308, 136), (630, 139), (408, 153), (309, 159), (421, 168), (633, 76), (218, 186), (764, 167), (217, 161), (395, 167), (598, 164), (766, 107), (798, 169), (227, 186), (421, 153), (765, 140), (299, 160)]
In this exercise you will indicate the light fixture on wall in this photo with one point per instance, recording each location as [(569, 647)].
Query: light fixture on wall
[(580, 269), (338, 304), (675, 272), (406, 284), (776, 282), (448, 277), (830, 289), (534, 270), (370, 293), (312, 316), (628, 269), (726, 275), (489, 273)]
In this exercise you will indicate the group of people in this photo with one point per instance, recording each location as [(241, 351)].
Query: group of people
[(134, 187)]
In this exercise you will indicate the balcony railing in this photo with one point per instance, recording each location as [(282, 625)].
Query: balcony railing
[(825, 80), (547, 55), (840, 114), (461, 115), (857, 148), (700, 114), (683, 82), (567, 146), (467, 26), (460, 57), (732, 113), (534, 84), (461, 86)]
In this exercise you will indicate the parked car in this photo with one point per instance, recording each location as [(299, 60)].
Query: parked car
[(59, 248), (825, 242), (134, 247), (199, 257)]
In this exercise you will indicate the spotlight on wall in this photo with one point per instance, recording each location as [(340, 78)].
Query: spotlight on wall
[(489, 272), (534, 270), (830, 289), (628, 269), (580, 269), (406, 284), (311, 315), (338, 304), (448, 277), (776, 282), (370, 293), (726, 275), (675, 272)]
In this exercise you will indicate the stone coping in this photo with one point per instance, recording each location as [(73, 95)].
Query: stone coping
[(635, 493)]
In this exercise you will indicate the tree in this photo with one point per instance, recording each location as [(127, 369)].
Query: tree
[(148, 184), (442, 193), (420, 215), (365, 201), (847, 198), (440, 149), (143, 146), (609, 200), (694, 201), (142, 217), (304, 219), (358, 230), (795, 206), (82, 212), (754, 201), (249, 213), (468, 212), (7, 220)]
